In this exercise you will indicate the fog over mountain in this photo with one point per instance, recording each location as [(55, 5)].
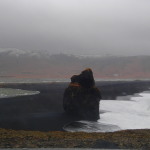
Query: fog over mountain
[(17, 63), (79, 27)]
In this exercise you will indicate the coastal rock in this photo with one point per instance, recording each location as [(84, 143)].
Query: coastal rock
[(85, 79), (81, 98)]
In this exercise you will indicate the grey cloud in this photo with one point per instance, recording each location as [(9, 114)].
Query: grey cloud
[(76, 26)]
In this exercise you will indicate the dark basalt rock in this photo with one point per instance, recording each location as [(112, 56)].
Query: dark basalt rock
[(82, 98), (85, 79)]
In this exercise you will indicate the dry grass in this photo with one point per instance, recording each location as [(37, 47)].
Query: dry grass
[(139, 139)]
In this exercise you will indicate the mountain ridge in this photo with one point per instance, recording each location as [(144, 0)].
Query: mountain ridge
[(37, 64)]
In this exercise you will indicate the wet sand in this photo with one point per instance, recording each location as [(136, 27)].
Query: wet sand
[(44, 111)]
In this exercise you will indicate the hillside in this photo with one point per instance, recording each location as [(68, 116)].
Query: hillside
[(35, 64)]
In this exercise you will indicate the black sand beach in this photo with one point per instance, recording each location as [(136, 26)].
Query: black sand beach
[(44, 111)]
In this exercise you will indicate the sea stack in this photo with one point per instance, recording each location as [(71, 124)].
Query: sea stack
[(82, 98)]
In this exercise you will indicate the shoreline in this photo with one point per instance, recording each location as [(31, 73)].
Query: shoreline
[(44, 111), (24, 118)]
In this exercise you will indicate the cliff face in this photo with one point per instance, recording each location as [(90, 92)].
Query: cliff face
[(82, 98)]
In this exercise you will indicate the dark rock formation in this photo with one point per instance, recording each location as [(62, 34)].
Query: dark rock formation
[(85, 79), (82, 98)]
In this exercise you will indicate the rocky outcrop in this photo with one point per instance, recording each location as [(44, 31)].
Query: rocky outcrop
[(81, 98)]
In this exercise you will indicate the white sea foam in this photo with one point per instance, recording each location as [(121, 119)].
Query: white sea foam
[(132, 114), (118, 115), (9, 92)]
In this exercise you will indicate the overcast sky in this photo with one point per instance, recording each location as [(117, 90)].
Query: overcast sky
[(86, 27)]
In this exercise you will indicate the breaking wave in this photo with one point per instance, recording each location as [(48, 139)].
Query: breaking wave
[(9, 92), (118, 115)]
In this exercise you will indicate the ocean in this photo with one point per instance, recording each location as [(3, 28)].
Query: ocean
[(120, 114), (31, 80), (45, 80), (130, 112)]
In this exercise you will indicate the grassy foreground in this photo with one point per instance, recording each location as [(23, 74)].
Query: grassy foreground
[(137, 139)]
